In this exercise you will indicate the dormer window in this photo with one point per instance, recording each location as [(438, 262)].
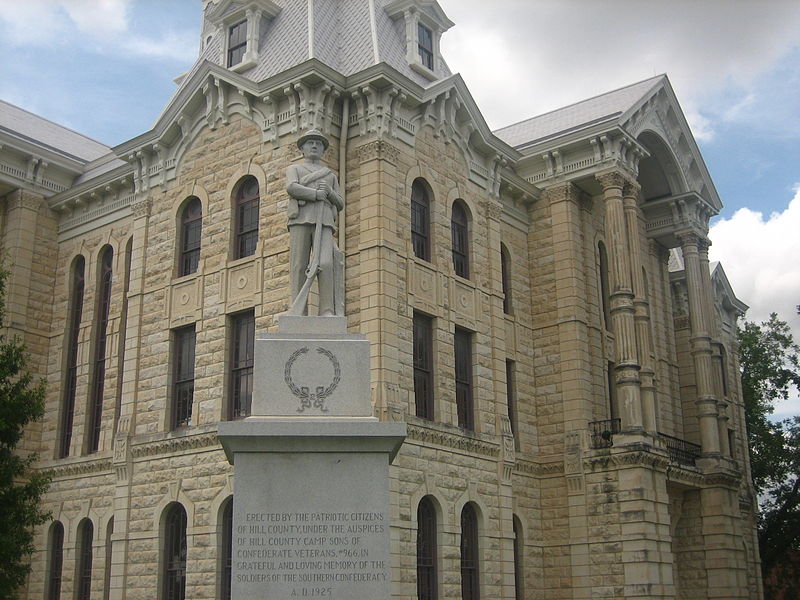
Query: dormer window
[(237, 43), (425, 45), (242, 23), (424, 22)]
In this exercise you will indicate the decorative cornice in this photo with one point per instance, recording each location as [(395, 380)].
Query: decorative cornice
[(541, 469), (85, 467), (176, 444), (462, 442), (378, 150)]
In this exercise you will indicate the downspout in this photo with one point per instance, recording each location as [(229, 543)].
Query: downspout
[(343, 169)]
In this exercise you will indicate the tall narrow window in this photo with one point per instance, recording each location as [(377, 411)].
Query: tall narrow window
[(56, 548), (83, 583), (183, 377), (463, 360), (459, 229), (505, 273), (123, 329), (604, 288), (246, 207), (243, 327), (612, 391), (101, 330), (426, 551), (420, 221), (109, 560), (425, 45), (174, 558), (470, 589), (511, 395), (423, 365), (237, 43), (226, 554), (190, 235), (519, 588), (71, 347)]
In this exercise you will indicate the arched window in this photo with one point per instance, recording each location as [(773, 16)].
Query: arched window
[(505, 272), (426, 551), (519, 544), (56, 549), (173, 560), (470, 584), (226, 550), (101, 329), (602, 258), (420, 220), (511, 395), (459, 229), (83, 579), (246, 217), (71, 338), (123, 330), (191, 224), (109, 557)]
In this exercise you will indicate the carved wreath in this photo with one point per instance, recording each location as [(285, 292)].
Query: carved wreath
[(308, 398)]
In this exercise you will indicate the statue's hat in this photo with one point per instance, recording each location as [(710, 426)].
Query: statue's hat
[(313, 134)]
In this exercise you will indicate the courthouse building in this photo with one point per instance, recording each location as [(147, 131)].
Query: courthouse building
[(540, 306)]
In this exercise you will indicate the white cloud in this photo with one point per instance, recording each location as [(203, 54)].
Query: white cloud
[(565, 51), (761, 257), (42, 22)]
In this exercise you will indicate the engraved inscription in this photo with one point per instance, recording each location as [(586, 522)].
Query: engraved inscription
[(312, 553)]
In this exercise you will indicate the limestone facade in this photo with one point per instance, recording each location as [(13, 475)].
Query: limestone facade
[(619, 460)]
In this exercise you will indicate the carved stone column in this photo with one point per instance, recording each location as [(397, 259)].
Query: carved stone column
[(700, 340), (621, 303), (641, 306)]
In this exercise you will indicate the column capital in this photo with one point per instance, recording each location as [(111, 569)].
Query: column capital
[(566, 191), (631, 189), (611, 180), (693, 238)]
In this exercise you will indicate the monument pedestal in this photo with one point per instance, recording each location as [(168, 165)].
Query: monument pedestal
[(311, 483)]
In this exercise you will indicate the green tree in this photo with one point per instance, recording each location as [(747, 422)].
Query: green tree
[(21, 401), (770, 363)]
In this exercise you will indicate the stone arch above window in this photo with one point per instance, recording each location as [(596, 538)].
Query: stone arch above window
[(190, 229), (460, 236), (246, 201)]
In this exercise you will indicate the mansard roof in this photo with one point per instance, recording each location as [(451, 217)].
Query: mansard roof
[(347, 36), (603, 108)]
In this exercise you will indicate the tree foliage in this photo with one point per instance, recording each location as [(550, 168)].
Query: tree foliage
[(21, 401), (770, 363)]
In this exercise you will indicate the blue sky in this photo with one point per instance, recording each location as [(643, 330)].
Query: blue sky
[(105, 68)]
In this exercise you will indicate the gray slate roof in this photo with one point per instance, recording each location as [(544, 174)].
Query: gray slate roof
[(32, 128), (576, 116)]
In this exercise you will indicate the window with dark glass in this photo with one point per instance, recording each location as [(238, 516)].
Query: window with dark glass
[(469, 554), (56, 561), (505, 273), (183, 376), (459, 229), (425, 45), (519, 590), (463, 360), (101, 330), (426, 551), (71, 347), (174, 557), (109, 556), (237, 43), (423, 365), (511, 395), (83, 584), (191, 229), (246, 206), (123, 329), (604, 288), (243, 328), (420, 221), (226, 557)]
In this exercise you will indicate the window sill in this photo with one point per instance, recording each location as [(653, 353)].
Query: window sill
[(423, 70)]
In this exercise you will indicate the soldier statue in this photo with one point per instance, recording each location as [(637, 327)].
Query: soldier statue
[(314, 205)]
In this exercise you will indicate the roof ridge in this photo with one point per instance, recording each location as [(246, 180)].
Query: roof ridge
[(619, 89)]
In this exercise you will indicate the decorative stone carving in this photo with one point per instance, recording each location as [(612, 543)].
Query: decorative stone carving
[(377, 150)]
